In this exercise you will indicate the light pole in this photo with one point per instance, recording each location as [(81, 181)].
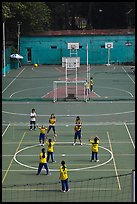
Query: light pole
[(19, 25), (128, 18), (4, 61)]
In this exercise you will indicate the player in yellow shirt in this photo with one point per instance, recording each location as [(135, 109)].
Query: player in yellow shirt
[(94, 148), (52, 122), (77, 129), (87, 88), (43, 162), (64, 177), (50, 151), (91, 84), (42, 134)]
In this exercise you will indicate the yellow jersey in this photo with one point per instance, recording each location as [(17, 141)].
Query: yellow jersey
[(50, 148), (87, 85), (52, 121), (91, 82), (77, 127), (63, 173), (43, 130), (94, 145), (43, 160)]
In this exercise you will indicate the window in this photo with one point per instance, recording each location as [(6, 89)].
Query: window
[(53, 46)]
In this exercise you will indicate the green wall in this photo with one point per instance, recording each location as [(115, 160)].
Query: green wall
[(42, 52)]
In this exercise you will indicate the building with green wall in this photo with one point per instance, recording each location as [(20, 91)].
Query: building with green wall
[(51, 46)]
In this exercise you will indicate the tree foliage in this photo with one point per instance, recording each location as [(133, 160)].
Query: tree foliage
[(42, 16), (34, 16)]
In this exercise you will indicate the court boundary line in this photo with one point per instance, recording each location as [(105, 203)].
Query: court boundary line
[(15, 124), (128, 75), (5, 130), (129, 135), (20, 91), (13, 158), (86, 170), (22, 102), (13, 80), (30, 142), (49, 189), (68, 115), (118, 181)]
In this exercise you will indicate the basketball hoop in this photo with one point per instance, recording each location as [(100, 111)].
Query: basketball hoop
[(109, 45), (73, 47)]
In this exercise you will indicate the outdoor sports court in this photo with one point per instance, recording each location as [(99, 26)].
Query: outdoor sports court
[(109, 113)]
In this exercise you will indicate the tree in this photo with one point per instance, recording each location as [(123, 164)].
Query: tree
[(35, 16)]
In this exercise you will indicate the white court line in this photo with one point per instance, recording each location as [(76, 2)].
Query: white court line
[(86, 170), (128, 75), (13, 80), (49, 189), (32, 102), (72, 155), (119, 186), (129, 135), (12, 159), (5, 129), (81, 115), (119, 123)]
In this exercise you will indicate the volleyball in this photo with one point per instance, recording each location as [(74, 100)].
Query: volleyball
[(35, 65)]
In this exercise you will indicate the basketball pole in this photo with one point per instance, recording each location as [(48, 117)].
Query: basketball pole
[(88, 66), (108, 56), (66, 76), (4, 60), (87, 61), (76, 80)]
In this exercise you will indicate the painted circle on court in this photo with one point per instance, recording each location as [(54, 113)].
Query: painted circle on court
[(116, 89), (76, 169)]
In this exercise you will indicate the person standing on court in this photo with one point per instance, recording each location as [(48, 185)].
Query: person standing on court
[(33, 119), (77, 129), (91, 84), (50, 151), (43, 162), (64, 177), (52, 121), (94, 148), (87, 88), (42, 135)]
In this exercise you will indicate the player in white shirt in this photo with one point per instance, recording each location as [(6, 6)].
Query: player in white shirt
[(33, 119)]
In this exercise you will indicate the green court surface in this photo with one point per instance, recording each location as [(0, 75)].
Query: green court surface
[(110, 114)]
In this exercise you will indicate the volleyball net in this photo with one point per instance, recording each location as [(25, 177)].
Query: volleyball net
[(101, 189)]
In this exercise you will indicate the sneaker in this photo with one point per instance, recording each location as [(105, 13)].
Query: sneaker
[(97, 160), (63, 191), (30, 129), (73, 144), (48, 174), (53, 161), (68, 190), (81, 144)]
